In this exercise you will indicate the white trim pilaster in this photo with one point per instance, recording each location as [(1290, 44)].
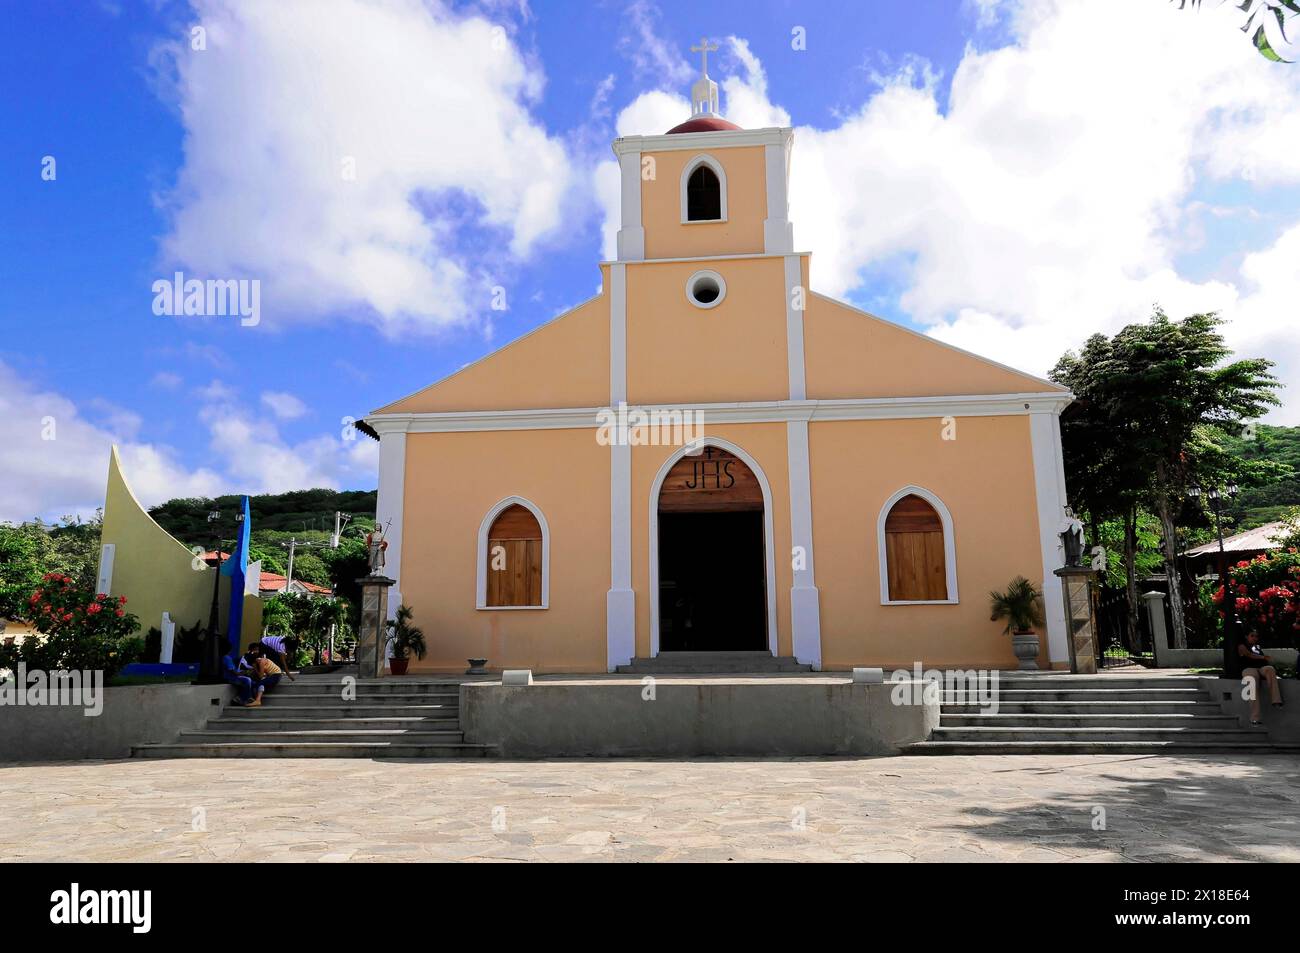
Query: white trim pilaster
[(805, 608), (805, 605), (388, 509), (620, 601), (778, 232), (1049, 491), (631, 235), (796, 299)]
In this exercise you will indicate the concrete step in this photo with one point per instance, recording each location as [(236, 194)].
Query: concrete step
[(364, 709), (1087, 707), (375, 698), (1095, 747), (322, 724), (218, 736), (1094, 694), (1185, 734), (713, 663), (396, 685), (1071, 720), (1098, 681), (314, 749)]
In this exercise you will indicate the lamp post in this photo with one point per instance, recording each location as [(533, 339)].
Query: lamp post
[(210, 669), (1215, 496)]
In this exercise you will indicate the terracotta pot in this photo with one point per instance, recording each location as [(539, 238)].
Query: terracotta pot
[(398, 665), (1025, 646)]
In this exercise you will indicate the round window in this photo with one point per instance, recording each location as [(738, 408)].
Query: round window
[(706, 289)]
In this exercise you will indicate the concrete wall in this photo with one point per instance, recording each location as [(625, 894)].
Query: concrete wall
[(985, 477), (132, 715), (691, 717), (1213, 658), (452, 481), (1283, 724)]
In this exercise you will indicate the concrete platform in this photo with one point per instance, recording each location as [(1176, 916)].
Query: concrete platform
[(689, 715)]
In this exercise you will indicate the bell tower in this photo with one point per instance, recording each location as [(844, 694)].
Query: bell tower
[(706, 187)]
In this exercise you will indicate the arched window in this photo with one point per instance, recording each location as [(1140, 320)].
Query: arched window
[(703, 195), (513, 550), (916, 549)]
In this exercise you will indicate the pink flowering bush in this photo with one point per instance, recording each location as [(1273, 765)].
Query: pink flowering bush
[(1266, 594), (81, 630)]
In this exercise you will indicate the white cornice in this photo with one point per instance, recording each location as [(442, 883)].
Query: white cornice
[(748, 256), (703, 140), (773, 411)]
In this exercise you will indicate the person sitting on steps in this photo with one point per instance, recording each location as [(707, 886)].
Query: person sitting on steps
[(236, 677), (266, 675), (1255, 665)]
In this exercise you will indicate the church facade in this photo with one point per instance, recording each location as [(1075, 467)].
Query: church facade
[(709, 456)]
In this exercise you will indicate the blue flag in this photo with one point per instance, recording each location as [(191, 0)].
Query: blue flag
[(235, 567)]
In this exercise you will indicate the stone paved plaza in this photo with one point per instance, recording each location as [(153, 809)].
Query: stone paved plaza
[(1037, 808)]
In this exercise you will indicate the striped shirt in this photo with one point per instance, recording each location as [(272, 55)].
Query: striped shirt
[(275, 643)]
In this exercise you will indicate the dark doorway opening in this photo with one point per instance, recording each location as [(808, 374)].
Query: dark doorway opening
[(712, 582)]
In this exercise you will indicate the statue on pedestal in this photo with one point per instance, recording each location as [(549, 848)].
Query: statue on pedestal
[(1072, 538), (375, 546)]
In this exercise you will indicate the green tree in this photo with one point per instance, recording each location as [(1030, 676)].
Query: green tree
[(1166, 393), (1107, 478), (29, 550), (24, 558)]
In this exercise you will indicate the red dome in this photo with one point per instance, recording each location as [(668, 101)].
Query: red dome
[(703, 124)]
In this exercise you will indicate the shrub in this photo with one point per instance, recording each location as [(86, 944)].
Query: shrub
[(80, 630), (1266, 591)]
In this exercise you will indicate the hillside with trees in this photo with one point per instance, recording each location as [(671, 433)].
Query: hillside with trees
[(296, 512)]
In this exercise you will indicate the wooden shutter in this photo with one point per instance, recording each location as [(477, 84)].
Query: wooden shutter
[(514, 559), (914, 551)]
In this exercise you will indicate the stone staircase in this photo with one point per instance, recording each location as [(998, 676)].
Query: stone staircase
[(713, 663), (396, 717), (1094, 714)]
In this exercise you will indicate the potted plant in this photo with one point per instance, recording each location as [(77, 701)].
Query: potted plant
[(405, 640), (1022, 606)]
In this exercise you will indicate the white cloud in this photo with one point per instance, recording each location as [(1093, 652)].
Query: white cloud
[(1052, 194), (166, 380), (285, 406), (424, 104), (986, 11), (653, 57), (55, 460)]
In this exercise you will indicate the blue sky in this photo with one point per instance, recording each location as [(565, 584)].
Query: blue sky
[(167, 161)]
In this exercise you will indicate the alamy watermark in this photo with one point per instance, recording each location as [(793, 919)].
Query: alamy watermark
[(38, 688), (215, 297), (652, 427), (978, 687), (77, 906)]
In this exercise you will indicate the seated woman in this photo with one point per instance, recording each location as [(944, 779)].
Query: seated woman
[(1254, 666), (266, 675)]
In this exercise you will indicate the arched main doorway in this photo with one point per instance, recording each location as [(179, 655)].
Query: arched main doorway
[(711, 554)]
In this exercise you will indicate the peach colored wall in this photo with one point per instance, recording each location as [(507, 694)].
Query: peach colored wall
[(452, 480), (661, 209), (767, 445), (851, 354), (984, 477), (562, 364), (735, 351)]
